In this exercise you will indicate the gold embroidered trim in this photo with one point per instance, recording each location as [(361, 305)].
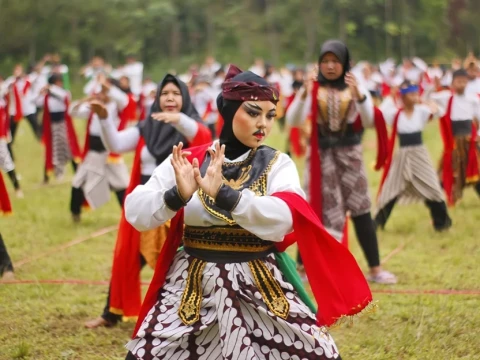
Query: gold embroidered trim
[(238, 163), (224, 247), (224, 239), (189, 310), (271, 291), (238, 184), (371, 308), (259, 187), (204, 198), (337, 111)]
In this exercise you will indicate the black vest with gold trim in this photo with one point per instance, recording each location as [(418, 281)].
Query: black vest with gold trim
[(335, 107), (251, 173)]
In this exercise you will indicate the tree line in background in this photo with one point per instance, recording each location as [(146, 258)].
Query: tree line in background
[(281, 31)]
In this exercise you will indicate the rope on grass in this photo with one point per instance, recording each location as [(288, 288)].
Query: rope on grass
[(57, 249)]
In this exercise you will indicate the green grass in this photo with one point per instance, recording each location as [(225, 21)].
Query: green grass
[(43, 321)]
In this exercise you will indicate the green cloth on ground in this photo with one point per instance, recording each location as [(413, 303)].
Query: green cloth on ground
[(289, 269)]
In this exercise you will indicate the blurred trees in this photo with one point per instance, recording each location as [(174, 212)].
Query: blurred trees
[(181, 31)]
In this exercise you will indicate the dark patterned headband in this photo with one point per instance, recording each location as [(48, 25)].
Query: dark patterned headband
[(236, 89)]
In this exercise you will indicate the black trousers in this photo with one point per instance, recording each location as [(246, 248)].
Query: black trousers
[(32, 120), (77, 198), (477, 188), (367, 237), (13, 178), (438, 213), (111, 317), (5, 261)]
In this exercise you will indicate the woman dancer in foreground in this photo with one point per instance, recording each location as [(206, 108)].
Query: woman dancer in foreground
[(237, 205)]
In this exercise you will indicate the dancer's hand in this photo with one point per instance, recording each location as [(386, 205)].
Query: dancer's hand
[(169, 118), (184, 175), (99, 109), (352, 83), (213, 179)]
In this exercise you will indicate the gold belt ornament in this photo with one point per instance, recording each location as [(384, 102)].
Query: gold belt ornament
[(272, 293), (216, 238)]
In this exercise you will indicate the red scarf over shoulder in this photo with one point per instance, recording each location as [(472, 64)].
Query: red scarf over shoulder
[(337, 282), (5, 205), (4, 123), (472, 173), (391, 149), (47, 136), (125, 289), (18, 101)]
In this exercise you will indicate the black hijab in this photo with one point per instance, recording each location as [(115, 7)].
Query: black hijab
[(340, 50), (159, 136), (227, 108)]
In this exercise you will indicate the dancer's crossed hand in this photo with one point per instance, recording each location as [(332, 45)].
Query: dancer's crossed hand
[(213, 179), (184, 175)]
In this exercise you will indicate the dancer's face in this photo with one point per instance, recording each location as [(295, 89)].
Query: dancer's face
[(331, 67), (171, 98), (18, 70), (124, 83), (253, 121), (459, 84), (411, 98)]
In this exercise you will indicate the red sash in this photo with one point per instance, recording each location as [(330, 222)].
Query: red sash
[(4, 123), (391, 149), (18, 101), (5, 205)]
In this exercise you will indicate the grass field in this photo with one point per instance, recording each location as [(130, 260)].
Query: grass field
[(45, 321)]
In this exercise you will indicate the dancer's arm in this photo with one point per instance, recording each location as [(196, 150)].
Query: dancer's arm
[(145, 206), (119, 141), (300, 108), (185, 125)]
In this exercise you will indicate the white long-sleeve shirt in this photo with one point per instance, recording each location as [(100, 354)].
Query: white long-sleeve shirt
[(407, 125), (27, 98), (464, 107), (127, 140), (267, 217), (300, 109), (56, 100)]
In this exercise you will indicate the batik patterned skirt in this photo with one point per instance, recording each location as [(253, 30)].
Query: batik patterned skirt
[(61, 148), (460, 163), (411, 178), (344, 186), (6, 162), (234, 323)]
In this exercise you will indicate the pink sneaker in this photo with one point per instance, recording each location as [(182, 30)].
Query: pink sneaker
[(383, 277)]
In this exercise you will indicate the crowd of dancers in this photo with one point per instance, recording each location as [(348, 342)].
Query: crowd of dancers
[(212, 209)]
